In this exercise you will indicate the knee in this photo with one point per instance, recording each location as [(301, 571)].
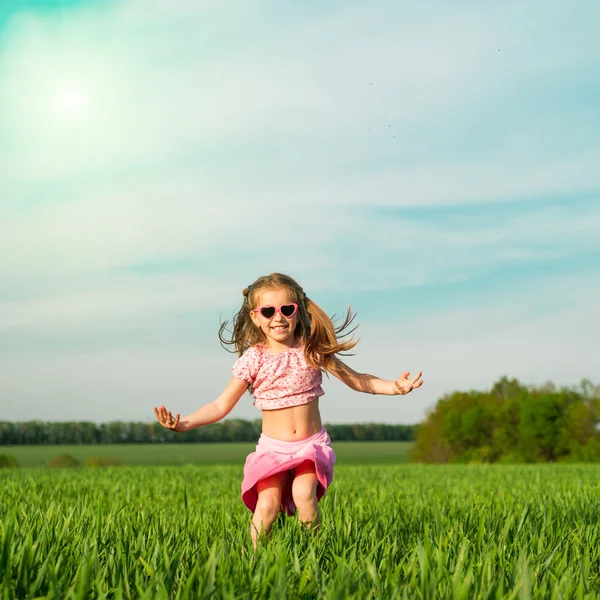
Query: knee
[(268, 504), (304, 492)]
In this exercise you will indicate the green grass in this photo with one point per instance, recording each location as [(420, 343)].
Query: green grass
[(396, 531), (182, 454)]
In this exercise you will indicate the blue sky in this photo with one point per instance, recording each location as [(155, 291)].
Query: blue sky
[(433, 166)]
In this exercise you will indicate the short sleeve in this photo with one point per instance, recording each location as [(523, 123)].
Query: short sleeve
[(246, 366)]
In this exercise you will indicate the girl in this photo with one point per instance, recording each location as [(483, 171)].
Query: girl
[(284, 342)]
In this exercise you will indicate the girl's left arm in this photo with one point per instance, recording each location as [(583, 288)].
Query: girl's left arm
[(369, 384)]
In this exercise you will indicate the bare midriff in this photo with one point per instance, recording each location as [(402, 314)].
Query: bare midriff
[(293, 423)]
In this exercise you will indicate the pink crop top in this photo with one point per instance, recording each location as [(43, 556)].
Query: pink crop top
[(278, 380)]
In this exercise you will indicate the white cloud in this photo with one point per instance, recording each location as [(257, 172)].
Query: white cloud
[(373, 252), (108, 230), (124, 302)]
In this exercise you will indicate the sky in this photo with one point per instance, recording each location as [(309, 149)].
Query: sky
[(435, 166)]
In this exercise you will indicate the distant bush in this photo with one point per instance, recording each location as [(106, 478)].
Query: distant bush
[(103, 461), (63, 461), (8, 462)]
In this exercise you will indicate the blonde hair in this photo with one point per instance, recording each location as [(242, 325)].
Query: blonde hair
[(315, 329)]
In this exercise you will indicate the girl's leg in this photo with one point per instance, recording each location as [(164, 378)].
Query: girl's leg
[(267, 507), (304, 492)]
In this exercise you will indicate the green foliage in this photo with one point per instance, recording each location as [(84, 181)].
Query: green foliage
[(8, 461), (512, 423), (63, 461), (415, 532)]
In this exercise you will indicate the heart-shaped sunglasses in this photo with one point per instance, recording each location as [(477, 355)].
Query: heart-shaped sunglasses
[(285, 310)]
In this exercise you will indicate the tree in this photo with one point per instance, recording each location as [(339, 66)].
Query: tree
[(511, 423)]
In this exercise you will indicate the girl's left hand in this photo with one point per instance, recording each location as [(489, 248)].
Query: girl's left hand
[(405, 385)]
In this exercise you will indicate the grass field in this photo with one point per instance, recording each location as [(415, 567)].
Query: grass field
[(354, 453), (395, 531)]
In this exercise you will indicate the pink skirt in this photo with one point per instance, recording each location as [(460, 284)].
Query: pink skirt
[(274, 456)]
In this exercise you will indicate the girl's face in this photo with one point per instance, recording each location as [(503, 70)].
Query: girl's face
[(279, 330)]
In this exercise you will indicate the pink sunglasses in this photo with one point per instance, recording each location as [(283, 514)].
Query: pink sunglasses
[(285, 310)]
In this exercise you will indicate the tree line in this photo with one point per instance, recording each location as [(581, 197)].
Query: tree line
[(513, 423), (229, 430)]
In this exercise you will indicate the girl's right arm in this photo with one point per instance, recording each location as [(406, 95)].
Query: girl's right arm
[(209, 413)]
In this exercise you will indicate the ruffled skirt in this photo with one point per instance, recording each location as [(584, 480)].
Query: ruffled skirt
[(274, 456)]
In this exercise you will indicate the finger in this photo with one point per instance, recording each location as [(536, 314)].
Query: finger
[(156, 412), (176, 421), (164, 417)]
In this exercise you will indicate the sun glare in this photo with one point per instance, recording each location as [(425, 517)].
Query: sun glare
[(70, 101)]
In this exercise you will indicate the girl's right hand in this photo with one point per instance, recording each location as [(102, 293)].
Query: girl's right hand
[(166, 419)]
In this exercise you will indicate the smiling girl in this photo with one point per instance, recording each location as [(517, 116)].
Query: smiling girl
[(285, 342)]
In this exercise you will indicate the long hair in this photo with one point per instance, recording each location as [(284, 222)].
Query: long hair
[(315, 329)]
